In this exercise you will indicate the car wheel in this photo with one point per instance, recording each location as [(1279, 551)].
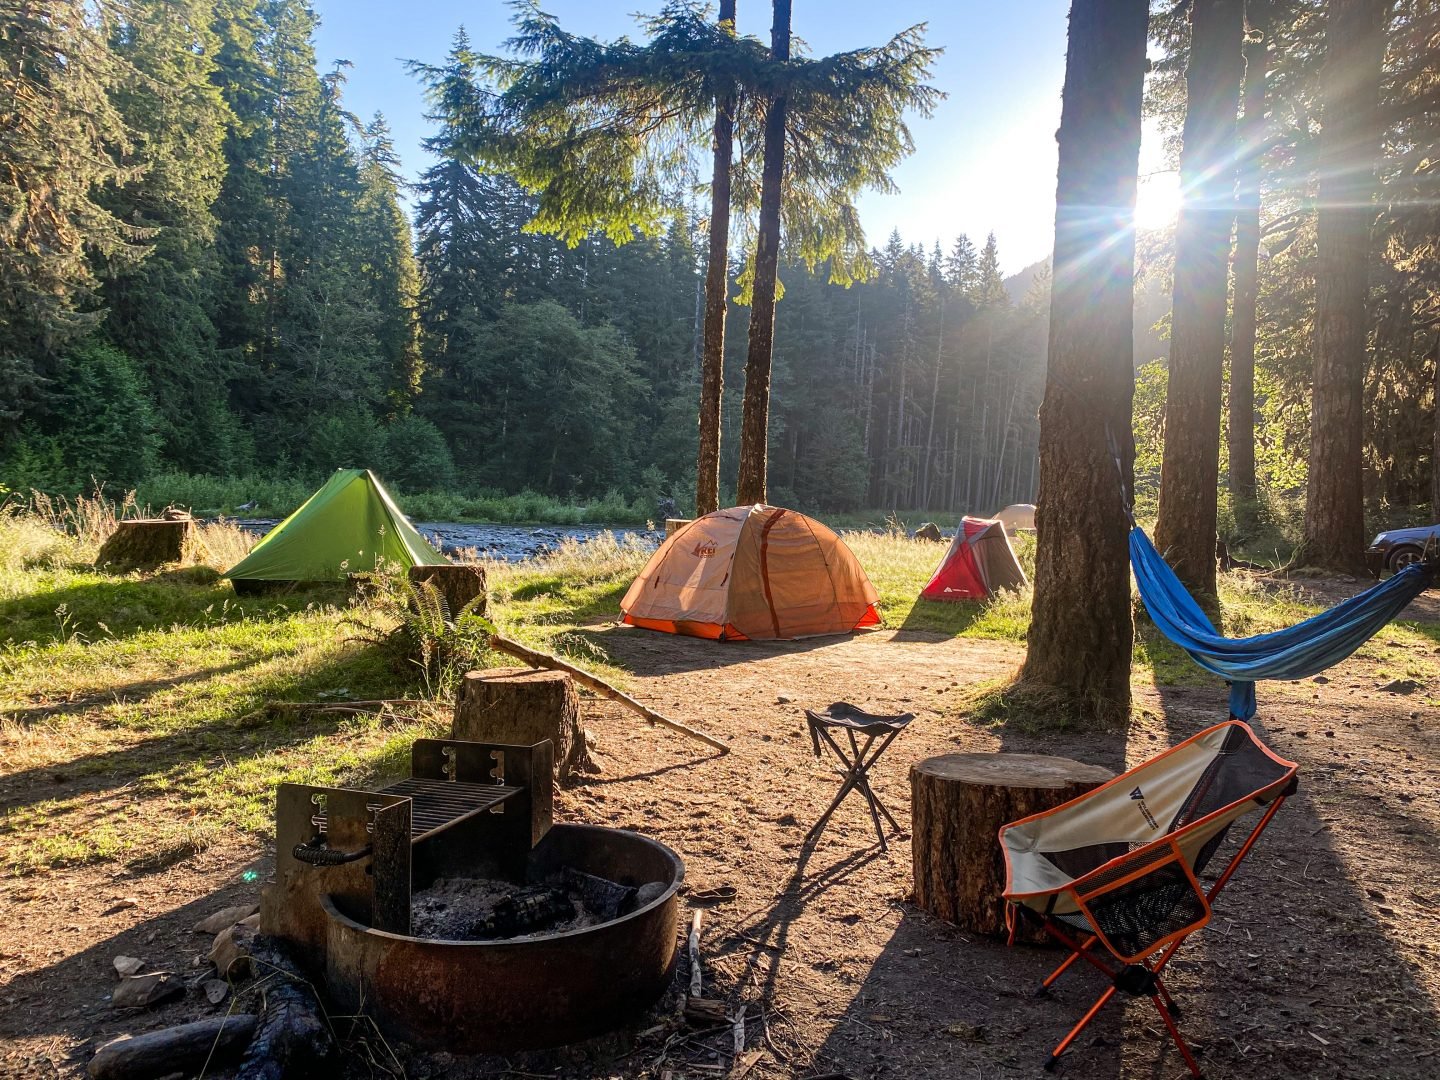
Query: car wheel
[(1402, 556)]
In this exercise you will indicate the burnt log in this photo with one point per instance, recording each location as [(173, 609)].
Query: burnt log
[(147, 543), (293, 1040), (521, 707), (458, 583), (958, 803), (187, 1048)]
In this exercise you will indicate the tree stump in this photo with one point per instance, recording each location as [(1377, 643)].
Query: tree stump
[(958, 803), (459, 583), (521, 706), (146, 543)]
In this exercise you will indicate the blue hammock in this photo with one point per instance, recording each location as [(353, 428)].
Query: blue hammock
[(1293, 653)]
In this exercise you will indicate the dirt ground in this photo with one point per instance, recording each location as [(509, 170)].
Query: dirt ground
[(1323, 959)]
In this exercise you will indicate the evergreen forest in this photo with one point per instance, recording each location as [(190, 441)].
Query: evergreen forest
[(210, 267)]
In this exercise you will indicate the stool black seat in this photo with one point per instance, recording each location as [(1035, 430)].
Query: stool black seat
[(879, 731)]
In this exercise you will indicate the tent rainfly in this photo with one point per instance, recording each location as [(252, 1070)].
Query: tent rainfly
[(978, 562), (349, 526), (752, 572)]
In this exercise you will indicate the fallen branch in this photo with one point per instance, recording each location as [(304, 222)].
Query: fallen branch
[(599, 686), (348, 706), (694, 943)]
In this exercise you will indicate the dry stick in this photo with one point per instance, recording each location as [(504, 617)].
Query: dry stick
[(599, 686), (695, 975), (349, 706)]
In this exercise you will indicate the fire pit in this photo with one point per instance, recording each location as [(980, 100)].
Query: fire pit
[(348, 863)]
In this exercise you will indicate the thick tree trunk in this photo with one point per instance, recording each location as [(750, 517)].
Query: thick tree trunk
[(1349, 145), (1081, 632), (717, 280), (1435, 450), (1190, 470), (1241, 429), (958, 803), (521, 707), (755, 420)]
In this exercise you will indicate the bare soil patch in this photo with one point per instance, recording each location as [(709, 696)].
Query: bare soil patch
[(1323, 959)]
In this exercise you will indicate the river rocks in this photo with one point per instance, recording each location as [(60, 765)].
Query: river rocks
[(144, 991), (225, 917), (231, 952)]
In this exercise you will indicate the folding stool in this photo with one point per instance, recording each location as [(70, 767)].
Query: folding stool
[(860, 759)]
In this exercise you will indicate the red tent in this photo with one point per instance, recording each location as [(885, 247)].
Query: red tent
[(979, 561)]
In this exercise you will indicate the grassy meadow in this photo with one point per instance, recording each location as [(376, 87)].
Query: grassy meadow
[(138, 712)]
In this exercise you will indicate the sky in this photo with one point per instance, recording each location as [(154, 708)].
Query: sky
[(984, 162)]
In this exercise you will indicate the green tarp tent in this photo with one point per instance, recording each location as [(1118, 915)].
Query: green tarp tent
[(346, 527)]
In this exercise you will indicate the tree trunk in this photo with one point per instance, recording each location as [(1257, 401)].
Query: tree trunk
[(1081, 632), (1435, 449), (1190, 470), (958, 803), (755, 421), (1349, 144), (521, 707), (458, 583), (717, 280), (1246, 265)]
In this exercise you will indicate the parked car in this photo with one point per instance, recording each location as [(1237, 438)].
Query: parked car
[(1398, 548)]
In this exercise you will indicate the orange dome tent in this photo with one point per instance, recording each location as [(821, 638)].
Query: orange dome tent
[(752, 572)]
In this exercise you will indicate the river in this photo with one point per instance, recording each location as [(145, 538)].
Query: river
[(511, 543)]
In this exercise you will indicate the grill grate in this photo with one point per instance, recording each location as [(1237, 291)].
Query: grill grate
[(435, 804)]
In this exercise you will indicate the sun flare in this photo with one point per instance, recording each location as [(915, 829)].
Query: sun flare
[(1158, 201)]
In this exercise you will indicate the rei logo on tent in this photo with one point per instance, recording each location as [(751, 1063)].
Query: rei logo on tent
[(1139, 796), (705, 548)]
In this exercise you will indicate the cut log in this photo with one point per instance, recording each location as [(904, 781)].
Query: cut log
[(188, 1048), (674, 525), (458, 584), (146, 544), (958, 803), (599, 686), (521, 707)]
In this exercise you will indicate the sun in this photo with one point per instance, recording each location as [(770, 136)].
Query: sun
[(1158, 201)]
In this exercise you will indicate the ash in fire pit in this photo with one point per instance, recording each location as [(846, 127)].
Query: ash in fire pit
[(486, 909), (479, 909)]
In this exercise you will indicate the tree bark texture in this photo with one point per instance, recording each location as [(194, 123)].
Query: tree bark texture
[(755, 417), (1349, 144), (521, 707), (1246, 268), (1081, 631), (458, 584), (958, 803), (717, 281), (1190, 469), (145, 544)]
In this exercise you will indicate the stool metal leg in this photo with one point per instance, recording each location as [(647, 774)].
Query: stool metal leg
[(858, 764)]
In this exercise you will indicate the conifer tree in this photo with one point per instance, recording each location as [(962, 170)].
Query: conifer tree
[(61, 141), (159, 312)]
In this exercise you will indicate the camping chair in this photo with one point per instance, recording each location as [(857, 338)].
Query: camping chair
[(1119, 866), (858, 762)]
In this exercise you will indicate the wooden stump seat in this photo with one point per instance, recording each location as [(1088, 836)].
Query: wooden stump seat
[(958, 803)]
